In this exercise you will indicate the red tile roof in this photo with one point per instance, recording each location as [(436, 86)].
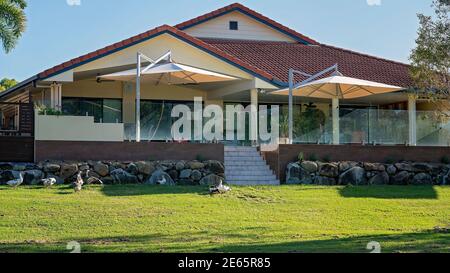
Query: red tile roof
[(246, 10), (277, 58)]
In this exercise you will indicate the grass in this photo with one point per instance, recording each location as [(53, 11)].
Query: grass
[(140, 218)]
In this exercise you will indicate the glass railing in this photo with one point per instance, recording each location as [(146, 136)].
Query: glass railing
[(377, 127)]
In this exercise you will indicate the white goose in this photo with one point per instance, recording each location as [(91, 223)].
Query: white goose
[(48, 182), (16, 182), (78, 184)]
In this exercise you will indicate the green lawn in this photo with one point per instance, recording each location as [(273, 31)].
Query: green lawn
[(260, 219)]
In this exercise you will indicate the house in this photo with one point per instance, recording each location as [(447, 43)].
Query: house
[(234, 41)]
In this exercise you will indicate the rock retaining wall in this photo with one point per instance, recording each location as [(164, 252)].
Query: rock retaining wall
[(362, 173), (113, 172)]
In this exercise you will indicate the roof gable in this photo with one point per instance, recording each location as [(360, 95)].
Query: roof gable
[(185, 26)]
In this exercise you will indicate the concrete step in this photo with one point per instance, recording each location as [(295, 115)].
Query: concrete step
[(231, 154), (239, 149), (243, 158), (249, 172), (254, 183), (245, 164), (251, 178), (259, 167)]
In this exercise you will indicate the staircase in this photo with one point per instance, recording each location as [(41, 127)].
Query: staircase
[(245, 166)]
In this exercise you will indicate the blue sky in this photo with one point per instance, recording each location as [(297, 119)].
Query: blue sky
[(58, 31)]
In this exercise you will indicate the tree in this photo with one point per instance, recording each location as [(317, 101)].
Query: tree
[(12, 22), (430, 60), (6, 83)]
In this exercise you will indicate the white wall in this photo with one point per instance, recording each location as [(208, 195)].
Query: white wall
[(249, 29), (71, 128)]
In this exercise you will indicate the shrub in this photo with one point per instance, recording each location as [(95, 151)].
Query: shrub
[(326, 159), (445, 160), (44, 110), (312, 157), (301, 157)]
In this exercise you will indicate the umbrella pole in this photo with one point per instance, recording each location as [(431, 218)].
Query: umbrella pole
[(291, 106), (335, 116), (138, 98)]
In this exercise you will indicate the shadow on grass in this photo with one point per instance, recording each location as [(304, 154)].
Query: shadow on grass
[(135, 190), (390, 192), (426, 242)]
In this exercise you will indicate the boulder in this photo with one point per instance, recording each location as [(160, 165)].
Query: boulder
[(19, 167), (108, 180), (401, 178), (422, 179), (83, 167), (179, 166), (212, 180), (132, 169), (173, 174), (329, 170), (422, 167), (8, 175), (6, 166), (377, 167), (353, 176), (346, 165), (120, 176), (391, 170), (215, 166), (103, 169), (196, 175), (185, 174), (160, 177), (51, 167), (381, 178), (310, 166), (68, 170), (404, 167), (145, 168), (297, 175), (325, 181), (32, 177), (196, 165)]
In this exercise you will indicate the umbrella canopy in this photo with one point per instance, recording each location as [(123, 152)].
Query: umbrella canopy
[(170, 73), (340, 87)]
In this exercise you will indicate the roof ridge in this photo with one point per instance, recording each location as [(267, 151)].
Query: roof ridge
[(254, 13), (365, 55)]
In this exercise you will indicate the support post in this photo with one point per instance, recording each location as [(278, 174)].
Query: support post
[(335, 116), (412, 116), (138, 98), (291, 106), (56, 96), (254, 116)]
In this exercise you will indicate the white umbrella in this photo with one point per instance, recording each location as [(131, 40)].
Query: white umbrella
[(170, 73), (339, 87)]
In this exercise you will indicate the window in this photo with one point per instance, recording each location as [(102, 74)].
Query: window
[(103, 110), (156, 119), (234, 25)]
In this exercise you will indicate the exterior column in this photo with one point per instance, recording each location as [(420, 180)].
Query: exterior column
[(254, 116), (335, 117), (56, 96), (412, 116)]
